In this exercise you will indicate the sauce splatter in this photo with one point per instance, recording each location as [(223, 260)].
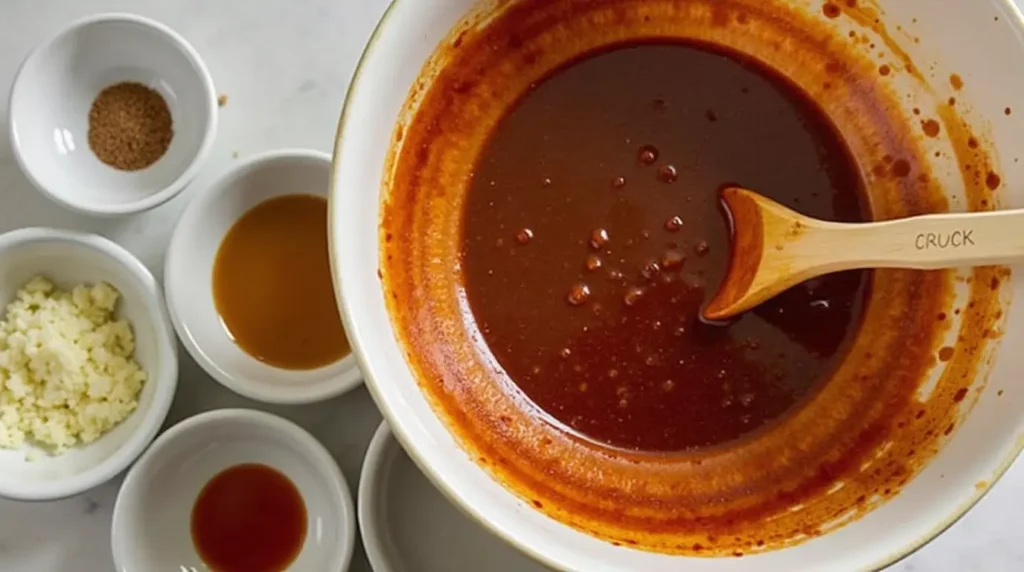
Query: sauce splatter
[(946, 353)]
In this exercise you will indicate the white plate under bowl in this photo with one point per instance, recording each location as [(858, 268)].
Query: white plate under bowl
[(188, 278), (409, 526), (54, 90), (69, 259), (152, 516)]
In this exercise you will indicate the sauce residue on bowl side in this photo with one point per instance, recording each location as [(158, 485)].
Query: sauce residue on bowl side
[(272, 285), (249, 518)]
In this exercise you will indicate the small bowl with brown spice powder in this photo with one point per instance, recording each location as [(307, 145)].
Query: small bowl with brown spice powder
[(113, 115)]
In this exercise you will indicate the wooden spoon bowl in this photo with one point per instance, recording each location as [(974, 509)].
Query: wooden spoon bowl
[(775, 248)]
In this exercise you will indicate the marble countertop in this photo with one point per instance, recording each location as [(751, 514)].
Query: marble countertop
[(285, 66)]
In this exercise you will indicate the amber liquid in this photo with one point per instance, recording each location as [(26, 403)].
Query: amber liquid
[(249, 518), (272, 285)]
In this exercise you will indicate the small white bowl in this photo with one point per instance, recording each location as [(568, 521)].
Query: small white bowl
[(188, 279), (408, 525), (152, 516), (55, 88), (69, 259)]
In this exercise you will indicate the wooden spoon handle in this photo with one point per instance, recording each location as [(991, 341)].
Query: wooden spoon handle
[(775, 248), (923, 242)]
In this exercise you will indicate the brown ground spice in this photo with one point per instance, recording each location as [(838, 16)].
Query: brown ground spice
[(130, 126)]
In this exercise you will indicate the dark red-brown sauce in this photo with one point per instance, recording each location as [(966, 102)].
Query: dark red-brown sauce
[(249, 518), (592, 235)]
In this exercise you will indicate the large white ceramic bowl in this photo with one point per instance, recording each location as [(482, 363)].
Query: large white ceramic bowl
[(985, 444), (55, 88), (188, 279), (68, 259)]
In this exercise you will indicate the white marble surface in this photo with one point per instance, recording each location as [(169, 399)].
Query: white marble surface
[(285, 65)]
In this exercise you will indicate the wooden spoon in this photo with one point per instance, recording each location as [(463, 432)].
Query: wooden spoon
[(775, 248)]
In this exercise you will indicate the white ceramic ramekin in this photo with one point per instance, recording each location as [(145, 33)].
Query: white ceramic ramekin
[(69, 259), (55, 88)]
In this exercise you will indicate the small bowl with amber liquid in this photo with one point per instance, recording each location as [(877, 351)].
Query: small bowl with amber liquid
[(249, 287)]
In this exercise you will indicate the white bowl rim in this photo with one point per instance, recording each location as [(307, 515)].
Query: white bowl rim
[(349, 375), (314, 451), (166, 381), (403, 430), (167, 193), (372, 524), (370, 521)]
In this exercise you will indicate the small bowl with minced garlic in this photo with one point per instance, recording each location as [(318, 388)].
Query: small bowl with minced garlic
[(88, 362)]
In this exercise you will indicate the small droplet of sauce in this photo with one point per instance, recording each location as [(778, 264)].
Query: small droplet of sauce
[(674, 224), (900, 168), (248, 517), (648, 154), (972, 142), (593, 262), (633, 295), (960, 394), (992, 181), (524, 236), (956, 81), (599, 238), (702, 249), (930, 127), (546, 182), (1008, 111), (672, 259), (884, 69), (831, 10), (578, 294), (618, 182), (667, 174), (651, 270), (566, 353)]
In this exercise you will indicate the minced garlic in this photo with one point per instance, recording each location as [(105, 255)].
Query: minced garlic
[(67, 368)]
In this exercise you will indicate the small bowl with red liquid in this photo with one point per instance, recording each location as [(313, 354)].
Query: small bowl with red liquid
[(234, 491)]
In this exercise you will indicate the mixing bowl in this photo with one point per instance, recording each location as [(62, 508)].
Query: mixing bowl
[(951, 61)]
